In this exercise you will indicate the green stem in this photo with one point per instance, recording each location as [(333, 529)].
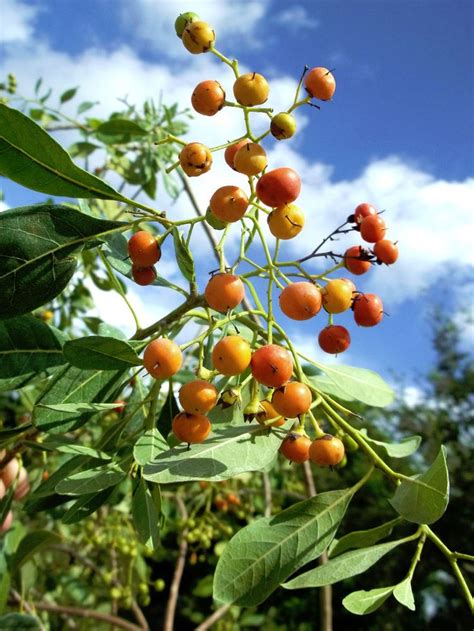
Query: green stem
[(231, 63), (417, 556), (153, 396)]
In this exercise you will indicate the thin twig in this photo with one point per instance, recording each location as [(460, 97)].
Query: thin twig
[(178, 571), (217, 615)]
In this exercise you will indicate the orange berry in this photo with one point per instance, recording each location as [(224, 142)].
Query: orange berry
[(231, 355), (337, 296), (272, 365), (143, 249), (195, 159), (300, 301), (386, 251), (320, 83), (334, 339), (327, 451), (191, 428), (208, 98), (229, 203), (372, 228), (231, 150), (224, 292), (355, 260), (295, 448), (198, 396), (251, 89), (251, 159), (285, 222), (198, 37), (143, 275), (292, 399), (162, 358)]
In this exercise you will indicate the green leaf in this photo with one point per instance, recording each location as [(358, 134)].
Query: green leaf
[(86, 506), (404, 594), (360, 384), (5, 503), (120, 127), (28, 346), (74, 448), (227, 452), (96, 352), (77, 407), (363, 538), (404, 448), (68, 95), (363, 602), (183, 256), (91, 480), (167, 413), (30, 545), (39, 245), (82, 149), (422, 499), (343, 566), (149, 446), (145, 516), (263, 554), (71, 385), (32, 158), (86, 105), (19, 621)]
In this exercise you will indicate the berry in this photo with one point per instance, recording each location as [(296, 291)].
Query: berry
[(334, 339), (231, 355), (266, 413), (208, 98), (363, 210), (300, 301), (198, 37), (283, 126), (286, 221), (7, 522), (251, 89), (143, 275), (229, 203), (292, 400), (224, 292), (231, 150), (198, 396), (327, 451), (162, 358), (250, 159), (372, 228), (295, 448), (355, 260), (183, 20), (9, 472), (337, 296), (386, 252), (272, 365), (278, 187), (195, 159), (191, 428), (320, 83), (143, 249), (212, 220), (350, 283), (368, 310)]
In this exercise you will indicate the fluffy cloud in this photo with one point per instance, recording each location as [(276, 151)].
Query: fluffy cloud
[(296, 17), (17, 20)]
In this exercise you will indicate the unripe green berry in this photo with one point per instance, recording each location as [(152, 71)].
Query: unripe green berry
[(115, 593), (159, 585), (183, 20), (283, 126)]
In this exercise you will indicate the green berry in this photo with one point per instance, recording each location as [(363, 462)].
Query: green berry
[(159, 585), (283, 126), (183, 20)]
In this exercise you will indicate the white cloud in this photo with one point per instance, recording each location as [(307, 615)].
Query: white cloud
[(296, 17), (17, 20), (152, 21)]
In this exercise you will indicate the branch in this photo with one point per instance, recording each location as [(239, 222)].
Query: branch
[(217, 615), (178, 571), (190, 302)]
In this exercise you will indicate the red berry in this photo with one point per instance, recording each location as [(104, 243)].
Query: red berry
[(278, 187), (372, 228), (334, 339), (368, 309), (363, 210), (143, 275), (355, 260), (386, 251)]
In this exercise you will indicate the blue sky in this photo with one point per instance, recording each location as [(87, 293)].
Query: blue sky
[(398, 133)]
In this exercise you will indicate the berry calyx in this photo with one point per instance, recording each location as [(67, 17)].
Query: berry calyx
[(334, 339), (357, 260), (162, 358), (386, 252), (320, 83), (251, 89), (327, 451), (271, 365), (278, 187), (368, 309), (292, 399), (300, 301), (224, 292), (195, 159), (231, 355), (295, 448), (143, 249), (285, 222)]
